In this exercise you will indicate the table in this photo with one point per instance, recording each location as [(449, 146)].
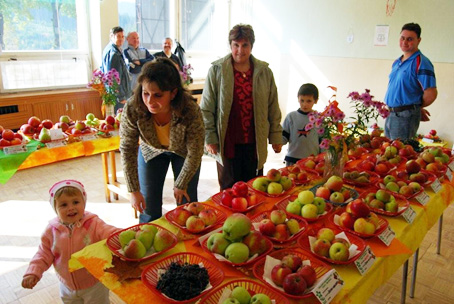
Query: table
[(357, 288)]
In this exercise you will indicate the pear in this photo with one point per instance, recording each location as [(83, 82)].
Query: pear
[(135, 249), (44, 136), (146, 237), (126, 236)]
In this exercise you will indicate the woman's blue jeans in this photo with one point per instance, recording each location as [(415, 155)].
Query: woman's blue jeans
[(152, 175)]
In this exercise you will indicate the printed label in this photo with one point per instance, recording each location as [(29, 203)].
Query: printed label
[(328, 286), (387, 236), (16, 149), (365, 261), (409, 215), (423, 198)]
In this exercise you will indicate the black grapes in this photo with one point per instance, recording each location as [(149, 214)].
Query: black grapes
[(183, 281)]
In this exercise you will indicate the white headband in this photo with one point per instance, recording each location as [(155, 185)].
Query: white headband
[(66, 183)]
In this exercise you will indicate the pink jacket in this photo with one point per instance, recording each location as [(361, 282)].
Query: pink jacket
[(58, 242)]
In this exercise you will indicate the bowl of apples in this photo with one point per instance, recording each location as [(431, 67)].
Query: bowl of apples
[(292, 272), (334, 191), (236, 242), (273, 184), (195, 217), (239, 198), (400, 188), (384, 202), (299, 176), (277, 227), (333, 245), (316, 163), (356, 218), (360, 178), (304, 205)]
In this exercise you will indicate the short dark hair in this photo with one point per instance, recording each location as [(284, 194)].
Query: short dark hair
[(414, 27), (242, 31), (116, 29), (308, 89), (165, 74)]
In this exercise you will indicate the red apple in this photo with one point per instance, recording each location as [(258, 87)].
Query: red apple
[(181, 215), (251, 199), (8, 134), (346, 220), (294, 284), (226, 197), (381, 168), (15, 141), (17, 135), (34, 121), (274, 175), (195, 224), (110, 120), (308, 273), (240, 189), (412, 166), (4, 143), (278, 273), (27, 129), (321, 247), (239, 203), (292, 261), (194, 208), (256, 242), (323, 192), (208, 216), (282, 233), (334, 183), (267, 227), (47, 123), (346, 193), (359, 208)]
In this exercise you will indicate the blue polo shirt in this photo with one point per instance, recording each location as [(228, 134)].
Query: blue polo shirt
[(407, 82)]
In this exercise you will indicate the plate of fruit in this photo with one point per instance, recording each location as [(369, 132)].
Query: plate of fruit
[(276, 226), (299, 176), (385, 202), (333, 245), (292, 272), (195, 217), (379, 167), (422, 177), (301, 206), (272, 185), (357, 219), (360, 178), (400, 188), (239, 198), (356, 152), (141, 242), (196, 273), (334, 191), (9, 138), (316, 163), (243, 291), (236, 243)]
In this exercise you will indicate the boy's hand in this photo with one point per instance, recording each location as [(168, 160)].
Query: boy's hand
[(277, 148), (29, 281)]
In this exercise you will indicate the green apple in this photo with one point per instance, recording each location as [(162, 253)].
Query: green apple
[(241, 294), (162, 240), (361, 225), (321, 204), (230, 301), (388, 178), (65, 119), (286, 182), (326, 233), (260, 298), (146, 237), (391, 207), (293, 226), (217, 243), (135, 249), (309, 211), (293, 208), (306, 197), (392, 186), (383, 196), (90, 116), (125, 236), (261, 184), (274, 188), (338, 252), (237, 253), (278, 216), (236, 226)]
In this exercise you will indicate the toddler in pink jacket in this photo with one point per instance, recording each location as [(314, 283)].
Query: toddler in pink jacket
[(72, 230)]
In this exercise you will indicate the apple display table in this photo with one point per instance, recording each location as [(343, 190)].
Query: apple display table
[(357, 288)]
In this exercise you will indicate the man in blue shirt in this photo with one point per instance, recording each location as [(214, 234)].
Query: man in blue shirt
[(136, 56), (411, 87)]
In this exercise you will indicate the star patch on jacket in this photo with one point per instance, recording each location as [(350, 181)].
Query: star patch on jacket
[(302, 132)]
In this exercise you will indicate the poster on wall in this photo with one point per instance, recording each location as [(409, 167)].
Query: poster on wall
[(381, 35)]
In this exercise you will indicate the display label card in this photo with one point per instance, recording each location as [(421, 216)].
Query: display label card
[(56, 143), (409, 215), (88, 137), (436, 186), (56, 134), (449, 174), (365, 261), (328, 286), (387, 236), (114, 133), (451, 165), (16, 149), (428, 140), (423, 198)]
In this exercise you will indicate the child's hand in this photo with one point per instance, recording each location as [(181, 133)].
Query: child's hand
[(29, 281)]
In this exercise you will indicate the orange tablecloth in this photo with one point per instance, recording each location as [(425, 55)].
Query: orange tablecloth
[(357, 288)]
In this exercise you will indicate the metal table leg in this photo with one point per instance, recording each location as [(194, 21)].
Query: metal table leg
[(413, 276), (404, 282), (440, 229)]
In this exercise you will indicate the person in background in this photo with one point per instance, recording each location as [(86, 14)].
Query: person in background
[(160, 125), (112, 58), (167, 45), (240, 110), (301, 143), (411, 87), (71, 231), (136, 56)]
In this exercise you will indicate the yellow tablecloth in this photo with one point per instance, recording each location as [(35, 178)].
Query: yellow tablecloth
[(357, 288)]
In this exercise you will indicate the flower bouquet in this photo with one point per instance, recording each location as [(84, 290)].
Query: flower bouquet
[(107, 84), (186, 74)]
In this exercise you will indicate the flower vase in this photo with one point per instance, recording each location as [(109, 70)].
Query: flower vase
[(110, 110), (335, 160)]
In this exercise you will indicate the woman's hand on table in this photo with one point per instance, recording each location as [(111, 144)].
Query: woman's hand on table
[(137, 201), (179, 194)]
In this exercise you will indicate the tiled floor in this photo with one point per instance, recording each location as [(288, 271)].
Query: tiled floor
[(25, 210)]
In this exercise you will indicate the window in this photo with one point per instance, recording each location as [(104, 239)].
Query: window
[(201, 26), (44, 44)]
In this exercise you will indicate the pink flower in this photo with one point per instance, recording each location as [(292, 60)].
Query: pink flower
[(325, 143), (309, 126), (321, 131)]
